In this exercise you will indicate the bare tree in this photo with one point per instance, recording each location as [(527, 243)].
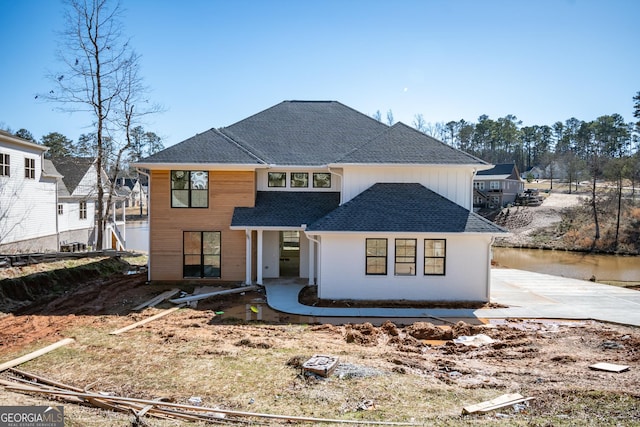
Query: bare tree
[(419, 123), (390, 120), (100, 78)]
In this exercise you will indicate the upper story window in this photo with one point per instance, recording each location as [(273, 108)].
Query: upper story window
[(376, 256), (83, 210), (30, 168), (405, 257), (321, 180), (4, 165), (299, 179), (478, 185), (60, 208), (189, 189), (494, 185), (277, 179)]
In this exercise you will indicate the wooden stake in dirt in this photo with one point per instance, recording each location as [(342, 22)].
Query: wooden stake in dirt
[(147, 320), (33, 355)]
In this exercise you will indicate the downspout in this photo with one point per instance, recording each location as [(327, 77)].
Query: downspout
[(490, 256), (57, 220), (148, 220), (341, 183), (473, 175), (316, 253)]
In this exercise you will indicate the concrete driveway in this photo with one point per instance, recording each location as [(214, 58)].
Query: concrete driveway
[(527, 295)]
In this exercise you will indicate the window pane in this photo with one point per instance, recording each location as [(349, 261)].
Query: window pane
[(180, 180), (322, 180), (376, 266), (191, 270), (199, 198), (405, 269), (299, 179), (180, 198), (192, 243), (434, 266), (212, 266), (376, 247), (277, 179), (211, 243), (199, 180)]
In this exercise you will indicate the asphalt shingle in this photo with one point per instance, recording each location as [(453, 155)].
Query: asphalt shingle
[(285, 209), (403, 207)]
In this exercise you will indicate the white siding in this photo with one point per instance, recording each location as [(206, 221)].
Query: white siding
[(454, 183), (342, 274), (70, 220), (27, 206)]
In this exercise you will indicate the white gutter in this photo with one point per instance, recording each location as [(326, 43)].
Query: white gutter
[(148, 218), (341, 183), (198, 166)]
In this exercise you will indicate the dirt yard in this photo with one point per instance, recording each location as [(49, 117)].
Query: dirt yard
[(389, 373)]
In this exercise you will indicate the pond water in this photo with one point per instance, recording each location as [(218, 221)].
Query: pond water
[(571, 264), (138, 236)]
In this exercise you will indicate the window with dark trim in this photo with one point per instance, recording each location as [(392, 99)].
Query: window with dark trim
[(299, 179), (376, 257), (189, 189), (5, 162), (405, 257), (435, 254), (60, 208), (277, 179), (30, 168), (201, 254), (321, 180), (83, 210)]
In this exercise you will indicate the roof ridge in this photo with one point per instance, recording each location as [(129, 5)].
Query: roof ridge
[(237, 144)]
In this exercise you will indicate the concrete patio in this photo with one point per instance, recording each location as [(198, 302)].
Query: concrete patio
[(526, 294)]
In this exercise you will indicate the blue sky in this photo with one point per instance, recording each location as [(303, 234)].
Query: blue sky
[(211, 63)]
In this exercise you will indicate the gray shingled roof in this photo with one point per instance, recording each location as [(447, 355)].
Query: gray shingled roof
[(73, 169), (304, 132), (207, 147), (399, 207), (286, 209), (403, 144), (499, 169)]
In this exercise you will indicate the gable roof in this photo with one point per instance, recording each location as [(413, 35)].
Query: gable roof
[(72, 169), (502, 170), (208, 147), (285, 209), (403, 144), (403, 207), (304, 132)]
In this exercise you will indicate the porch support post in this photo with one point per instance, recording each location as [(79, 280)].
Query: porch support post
[(247, 280), (312, 258), (259, 259)]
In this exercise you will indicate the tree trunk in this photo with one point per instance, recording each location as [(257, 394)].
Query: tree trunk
[(595, 211), (619, 209)]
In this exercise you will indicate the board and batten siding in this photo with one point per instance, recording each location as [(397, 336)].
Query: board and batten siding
[(227, 190), (454, 183), (343, 269)]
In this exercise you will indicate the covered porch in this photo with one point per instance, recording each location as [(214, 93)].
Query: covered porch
[(276, 245)]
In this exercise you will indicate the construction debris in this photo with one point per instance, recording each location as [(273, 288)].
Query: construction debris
[(474, 340), (33, 355), (497, 403), (157, 408), (609, 367), (212, 294), (157, 299), (321, 364), (147, 320)]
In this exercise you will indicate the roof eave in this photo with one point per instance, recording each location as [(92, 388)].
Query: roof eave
[(199, 166), (476, 166)]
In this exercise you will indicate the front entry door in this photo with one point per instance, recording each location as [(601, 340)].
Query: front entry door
[(289, 253)]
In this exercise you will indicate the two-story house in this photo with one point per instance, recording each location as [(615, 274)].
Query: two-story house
[(27, 196), (498, 186), (317, 190)]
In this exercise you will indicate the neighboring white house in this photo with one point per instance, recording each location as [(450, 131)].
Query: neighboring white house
[(317, 190), (48, 204), (27, 197)]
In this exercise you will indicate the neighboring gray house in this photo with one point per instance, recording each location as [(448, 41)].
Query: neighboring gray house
[(497, 187)]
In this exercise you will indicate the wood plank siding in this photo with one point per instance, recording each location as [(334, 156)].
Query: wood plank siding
[(227, 190)]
